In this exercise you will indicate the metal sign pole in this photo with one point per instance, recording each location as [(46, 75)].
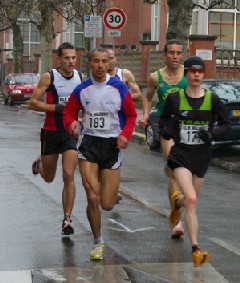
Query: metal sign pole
[(113, 42)]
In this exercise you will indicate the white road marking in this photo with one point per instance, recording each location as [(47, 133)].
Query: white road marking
[(125, 228), (225, 245), (21, 276)]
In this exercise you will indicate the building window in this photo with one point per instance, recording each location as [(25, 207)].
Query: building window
[(238, 32), (222, 25), (31, 36), (146, 36), (226, 4), (74, 33), (78, 35), (223, 21), (194, 27), (155, 22)]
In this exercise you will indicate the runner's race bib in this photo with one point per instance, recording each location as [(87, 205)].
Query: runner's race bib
[(98, 121), (63, 100), (189, 134)]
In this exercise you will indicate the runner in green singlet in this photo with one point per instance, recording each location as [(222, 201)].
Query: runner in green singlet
[(164, 81)]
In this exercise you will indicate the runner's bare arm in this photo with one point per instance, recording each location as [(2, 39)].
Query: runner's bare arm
[(35, 102), (147, 99), (129, 79)]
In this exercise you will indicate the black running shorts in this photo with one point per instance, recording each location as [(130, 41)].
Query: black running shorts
[(102, 151), (53, 142), (195, 159)]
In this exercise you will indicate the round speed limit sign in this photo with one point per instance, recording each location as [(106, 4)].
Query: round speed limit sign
[(114, 18)]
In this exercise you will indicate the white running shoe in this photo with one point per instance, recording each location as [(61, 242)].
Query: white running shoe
[(67, 227), (177, 231), (97, 250)]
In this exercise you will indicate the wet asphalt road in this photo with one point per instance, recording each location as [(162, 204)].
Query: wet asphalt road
[(136, 231)]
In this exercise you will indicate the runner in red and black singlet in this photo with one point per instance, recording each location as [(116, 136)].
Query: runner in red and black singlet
[(55, 86)]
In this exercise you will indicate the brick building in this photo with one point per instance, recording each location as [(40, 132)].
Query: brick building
[(144, 22), (145, 30)]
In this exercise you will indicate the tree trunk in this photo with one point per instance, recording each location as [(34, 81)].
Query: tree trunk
[(46, 35), (180, 20), (17, 48)]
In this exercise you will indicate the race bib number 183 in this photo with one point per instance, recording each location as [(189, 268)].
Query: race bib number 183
[(98, 121)]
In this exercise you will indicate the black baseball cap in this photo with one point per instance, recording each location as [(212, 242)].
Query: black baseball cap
[(193, 62)]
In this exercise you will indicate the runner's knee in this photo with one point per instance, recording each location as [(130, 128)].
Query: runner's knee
[(191, 201), (93, 200), (68, 175), (48, 179), (107, 206)]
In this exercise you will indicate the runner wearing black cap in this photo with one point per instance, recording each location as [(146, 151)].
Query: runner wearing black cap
[(188, 118)]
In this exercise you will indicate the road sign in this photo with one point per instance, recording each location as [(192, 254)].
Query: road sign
[(114, 18), (93, 26), (114, 33)]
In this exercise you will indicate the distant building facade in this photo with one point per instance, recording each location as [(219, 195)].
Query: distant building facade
[(145, 23)]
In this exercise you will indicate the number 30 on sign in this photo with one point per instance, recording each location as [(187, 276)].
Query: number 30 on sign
[(114, 18)]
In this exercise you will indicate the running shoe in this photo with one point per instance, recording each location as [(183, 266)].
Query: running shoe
[(200, 257), (177, 230), (97, 250), (175, 214), (67, 227), (35, 165), (119, 199)]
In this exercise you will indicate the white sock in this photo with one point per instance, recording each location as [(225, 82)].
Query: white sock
[(98, 240)]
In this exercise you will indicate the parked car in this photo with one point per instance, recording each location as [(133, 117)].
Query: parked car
[(18, 87), (229, 92)]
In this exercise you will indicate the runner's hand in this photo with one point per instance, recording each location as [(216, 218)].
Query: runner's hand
[(74, 129), (167, 133), (143, 122), (205, 136), (122, 142), (170, 130)]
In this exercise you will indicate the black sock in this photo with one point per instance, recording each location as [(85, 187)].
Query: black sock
[(195, 247), (177, 205)]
